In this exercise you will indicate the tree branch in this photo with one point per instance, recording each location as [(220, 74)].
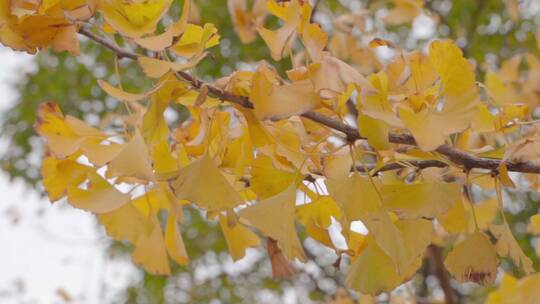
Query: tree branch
[(439, 271), (120, 53), (460, 158)]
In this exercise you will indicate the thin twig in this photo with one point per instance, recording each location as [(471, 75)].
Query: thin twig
[(456, 156), (120, 53)]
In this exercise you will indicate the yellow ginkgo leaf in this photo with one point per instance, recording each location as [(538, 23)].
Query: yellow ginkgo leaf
[(430, 127), (279, 41), (534, 225), (321, 235), (274, 101), (154, 200), (456, 74), (337, 166), (99, 154), (507, 246), (238, 154), (173, 239), (126, 223), (356, 195), (474, 259), (485, 212), (98, 197), (162, 41), (163, 158), (203, 184), (266, 179), (403, 240), (319, 211), (427, 199), (126, 96), (133, 160), (404, 11), (417, 235), (150, 251), (357, 242), (315, 40), (456, 219), (376, 105), (247, 21), (195, 40), (64, 135), (332, 76), (239, 238), (274, 217), (59, 175), (134, 18), (373, 271), (422, 72), (512, 290), (156, 68), (42, 31)]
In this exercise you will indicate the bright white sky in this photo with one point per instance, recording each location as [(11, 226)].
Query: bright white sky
[(48, 248)]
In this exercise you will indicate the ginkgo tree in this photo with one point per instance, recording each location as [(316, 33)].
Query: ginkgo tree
[(420, 151)]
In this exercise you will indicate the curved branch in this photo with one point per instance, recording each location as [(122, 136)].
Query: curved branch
[(120, 53), (456, 156)]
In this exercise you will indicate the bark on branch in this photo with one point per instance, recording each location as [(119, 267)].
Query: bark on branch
[(460, 158)]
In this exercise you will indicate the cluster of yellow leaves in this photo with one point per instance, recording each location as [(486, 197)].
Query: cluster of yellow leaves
[(247, 167), (33, 25), (30, 25)]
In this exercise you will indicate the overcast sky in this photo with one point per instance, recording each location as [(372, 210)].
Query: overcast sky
[(46, 249)]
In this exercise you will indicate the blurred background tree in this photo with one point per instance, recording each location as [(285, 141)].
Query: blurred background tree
[(488, 31)]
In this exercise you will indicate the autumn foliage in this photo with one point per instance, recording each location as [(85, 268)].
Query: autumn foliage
[(277, 158)]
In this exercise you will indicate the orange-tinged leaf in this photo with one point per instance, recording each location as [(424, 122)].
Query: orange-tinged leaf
[(281, 267)]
